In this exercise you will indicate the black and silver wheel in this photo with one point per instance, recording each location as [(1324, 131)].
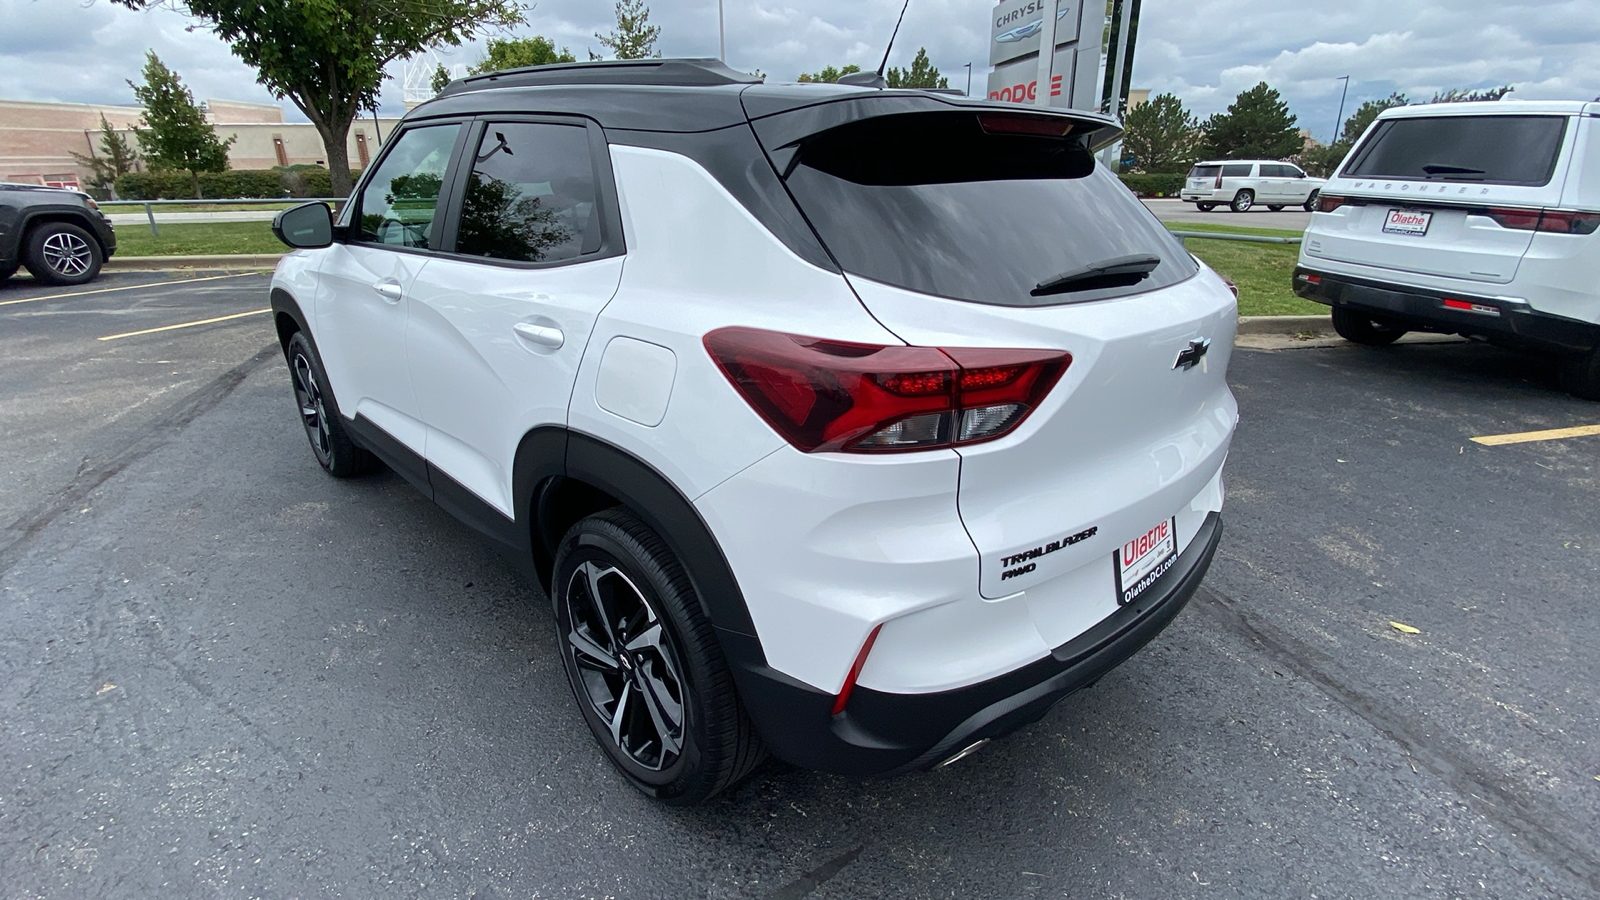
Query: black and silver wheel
[(1206, 207), (644, 664), (1242, 201), (1311, 202), (320, 415), (1360, 328), (63, 253)]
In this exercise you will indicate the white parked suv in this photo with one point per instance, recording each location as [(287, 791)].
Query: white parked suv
[(1477, 219), (1241, 184), (853, 456)]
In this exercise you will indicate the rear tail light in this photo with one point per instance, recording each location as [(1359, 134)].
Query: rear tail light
[(1329, 202), (1218, 185), (842, 699), (1555, 221), (1520, 219), (1232, 287), (1012, 123), (823, 395)]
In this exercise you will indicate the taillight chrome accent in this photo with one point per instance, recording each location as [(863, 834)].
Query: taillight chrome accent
[(824, 395)]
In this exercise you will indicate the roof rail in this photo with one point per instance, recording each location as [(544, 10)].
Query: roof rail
[(681, 72)]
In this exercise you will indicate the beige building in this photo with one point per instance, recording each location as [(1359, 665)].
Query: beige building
[(37, 140)]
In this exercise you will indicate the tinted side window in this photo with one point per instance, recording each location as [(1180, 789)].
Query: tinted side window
[(1518, 150), (531, 196), (398, 205), (1293, 172), (1242, 171), (1204, 171)]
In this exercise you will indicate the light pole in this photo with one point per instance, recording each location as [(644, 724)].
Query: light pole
[(969, 79), (1340, 121), (722, 35)]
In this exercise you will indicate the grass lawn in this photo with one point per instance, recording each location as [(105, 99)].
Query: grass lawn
[(1262, 271), (184, 239)]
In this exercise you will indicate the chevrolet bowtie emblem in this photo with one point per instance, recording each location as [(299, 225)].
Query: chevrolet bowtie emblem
[(1190, 356)]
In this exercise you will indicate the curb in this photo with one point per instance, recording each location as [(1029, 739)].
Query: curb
[(154, 263), (1285, 324)]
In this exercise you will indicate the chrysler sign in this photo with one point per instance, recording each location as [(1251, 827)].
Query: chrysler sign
[(1015, 26)]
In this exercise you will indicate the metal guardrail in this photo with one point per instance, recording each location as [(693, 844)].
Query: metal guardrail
[(1226, 236), (150, 215)]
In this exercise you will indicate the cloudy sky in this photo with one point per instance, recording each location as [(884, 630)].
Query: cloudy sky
[(1205, 51)]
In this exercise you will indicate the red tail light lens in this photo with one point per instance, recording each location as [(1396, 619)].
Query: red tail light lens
[(1519, 219), (1566, 222), (1218, 185), (1329, 202), (823, 395), (1011, 123), (842, 699)]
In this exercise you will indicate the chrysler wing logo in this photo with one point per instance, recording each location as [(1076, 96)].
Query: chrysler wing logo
[(1190, 356), (1028, 30)]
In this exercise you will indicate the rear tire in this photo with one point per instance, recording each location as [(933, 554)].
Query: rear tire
[(1242, 201), (1580, 375), (63, 253), (1311, 202), (645, 665), (319, 414), (1206, 207), (7, 270), (1275, 207), (1360, 328)]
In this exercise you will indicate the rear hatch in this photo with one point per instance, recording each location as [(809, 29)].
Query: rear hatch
[(951, 227), (1443, 195)]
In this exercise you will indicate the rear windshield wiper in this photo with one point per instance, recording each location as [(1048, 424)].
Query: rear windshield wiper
[(1442, 169), (1124, 271)]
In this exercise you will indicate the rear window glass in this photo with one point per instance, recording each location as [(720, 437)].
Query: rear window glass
[(1239, 171), (932, 203), (1514, 150), (1204, 171)]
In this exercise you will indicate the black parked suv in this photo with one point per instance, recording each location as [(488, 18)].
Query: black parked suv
[(60, 235)]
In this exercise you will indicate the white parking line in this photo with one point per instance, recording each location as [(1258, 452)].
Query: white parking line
[(253, 312), (126, 287)]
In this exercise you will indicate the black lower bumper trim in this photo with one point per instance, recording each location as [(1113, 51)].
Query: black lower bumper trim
[(1425, 310), (883, 733)]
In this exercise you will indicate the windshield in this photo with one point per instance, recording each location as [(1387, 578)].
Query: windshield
[(933, 203), (1511, 150)]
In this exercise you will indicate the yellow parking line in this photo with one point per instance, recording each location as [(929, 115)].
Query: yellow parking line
[(1554, 434), (253, 312), (126, 287)]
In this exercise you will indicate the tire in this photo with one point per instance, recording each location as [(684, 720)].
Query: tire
[(1359, 328), (1311, 202), (62, 253), (1275, 207), (319, 413), (610, 567), (1242, 201), (7, 270), (1580, 375), (1206, 207)]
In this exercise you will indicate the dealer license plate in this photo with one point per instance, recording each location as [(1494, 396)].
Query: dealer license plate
[(1407, 221), (1145, 559)]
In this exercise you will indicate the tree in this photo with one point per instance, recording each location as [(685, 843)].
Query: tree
[(116, 157), (634, 37), (1257, 125), (328, 56), (829, 74), (1463, 95), (441, 77), (173, 132), (1357, 124), (922, 74), (514, 53), (1161, 135)]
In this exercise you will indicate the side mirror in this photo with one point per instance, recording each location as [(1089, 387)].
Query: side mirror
[(304, 227)]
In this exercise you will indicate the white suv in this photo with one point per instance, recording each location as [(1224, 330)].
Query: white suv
[(1478, 219), (855, 456), (1246, 183)]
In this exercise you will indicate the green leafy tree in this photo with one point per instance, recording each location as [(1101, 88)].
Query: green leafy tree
[(116, 158), (515, 53), (1364, 115), (328, 56), (1463, 95), (173, 132), (441, 77), (634, 37), (1257, 125), (1161, 135), (828, 75), (922, 74)]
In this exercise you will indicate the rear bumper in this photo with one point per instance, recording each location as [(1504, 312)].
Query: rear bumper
[(1424, 309), (887, 733)]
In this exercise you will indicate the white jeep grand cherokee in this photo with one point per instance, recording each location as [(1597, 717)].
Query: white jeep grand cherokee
[(855, 456)]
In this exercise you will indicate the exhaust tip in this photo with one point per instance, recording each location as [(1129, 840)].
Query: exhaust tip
[(970, 749)]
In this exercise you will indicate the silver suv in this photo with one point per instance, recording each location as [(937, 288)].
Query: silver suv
[(1244, 183)]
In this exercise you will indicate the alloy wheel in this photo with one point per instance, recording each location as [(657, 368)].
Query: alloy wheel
[(67, 254), (313, 411), (627, 668)]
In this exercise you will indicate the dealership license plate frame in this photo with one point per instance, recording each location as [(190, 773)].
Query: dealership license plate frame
[(1146, 567), (1389, 226)]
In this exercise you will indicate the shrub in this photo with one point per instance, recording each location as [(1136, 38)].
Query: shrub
[(1153, 185), (234, 184)]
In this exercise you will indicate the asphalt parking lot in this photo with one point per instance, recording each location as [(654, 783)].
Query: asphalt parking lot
[(1293, 219), (224, 674)]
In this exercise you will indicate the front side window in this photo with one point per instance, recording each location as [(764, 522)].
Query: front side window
[(398, 205), (531, 195)]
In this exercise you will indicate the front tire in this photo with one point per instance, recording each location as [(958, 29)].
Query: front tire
[(1580, 375), (1206, 207), (1242, 201), (1360, 328), (319, 414), (644, 663), (63, 253)]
